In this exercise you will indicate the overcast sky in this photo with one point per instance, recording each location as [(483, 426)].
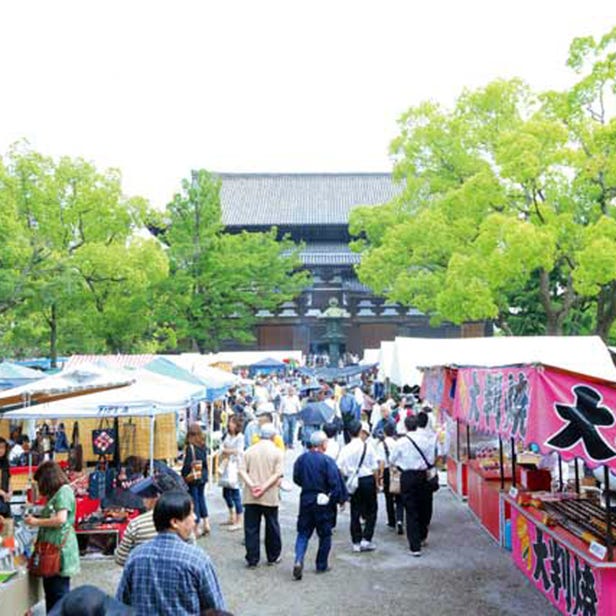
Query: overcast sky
[(159, 88)]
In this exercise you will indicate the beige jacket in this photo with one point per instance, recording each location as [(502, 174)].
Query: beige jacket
[(260, 462)]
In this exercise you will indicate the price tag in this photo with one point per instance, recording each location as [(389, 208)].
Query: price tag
[(513, 492), (598, 550)]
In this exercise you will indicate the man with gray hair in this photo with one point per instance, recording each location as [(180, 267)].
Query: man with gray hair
[(322, 490), (261, 468)]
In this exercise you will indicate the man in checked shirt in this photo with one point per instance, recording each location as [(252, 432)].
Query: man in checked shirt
[(167, 575)]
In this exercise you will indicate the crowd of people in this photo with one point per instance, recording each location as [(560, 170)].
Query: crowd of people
[(364, 444)]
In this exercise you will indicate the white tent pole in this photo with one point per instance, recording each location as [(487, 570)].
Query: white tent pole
[(152, 426)]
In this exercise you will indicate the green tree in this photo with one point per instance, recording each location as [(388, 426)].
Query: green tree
[(507, 197), (78, 272), (218, 280)]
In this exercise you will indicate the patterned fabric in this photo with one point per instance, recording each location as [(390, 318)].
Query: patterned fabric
[(168, 576), (64, 498), (138, 531)]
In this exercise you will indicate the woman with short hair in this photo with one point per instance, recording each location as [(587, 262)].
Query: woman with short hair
[(56, 526)]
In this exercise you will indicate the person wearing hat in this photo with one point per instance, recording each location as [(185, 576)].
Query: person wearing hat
[(318, 477), (141, 528), (261, 468), (358, 463)]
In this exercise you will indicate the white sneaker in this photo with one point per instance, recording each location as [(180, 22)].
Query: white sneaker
[(367, 546), (356, 547), (416, 554)]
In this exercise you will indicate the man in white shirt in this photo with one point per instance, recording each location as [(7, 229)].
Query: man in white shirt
[(290, 408), (358, 458), (416, 492)]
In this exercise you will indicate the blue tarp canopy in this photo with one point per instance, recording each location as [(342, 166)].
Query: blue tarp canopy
[(266, 366), (335, 374)]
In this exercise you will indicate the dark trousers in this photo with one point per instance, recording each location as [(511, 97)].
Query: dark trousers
[(417, 498), (55, 588), (311, 518), (363, 506), (252, 533), (393, 503)]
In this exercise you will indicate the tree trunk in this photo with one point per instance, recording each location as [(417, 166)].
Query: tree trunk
[(556, 314), (53, 337), (606, 310)]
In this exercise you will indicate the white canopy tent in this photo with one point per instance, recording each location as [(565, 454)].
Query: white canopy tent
[(148, 396), (581, 354), (385, 359), (248, 358), (371, 356), (88, 377), (199, 365)]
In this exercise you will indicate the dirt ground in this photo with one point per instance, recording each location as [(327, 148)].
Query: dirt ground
[(462, 571)]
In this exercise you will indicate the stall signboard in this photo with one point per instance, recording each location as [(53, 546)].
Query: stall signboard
[(570, 582), (547, 409)]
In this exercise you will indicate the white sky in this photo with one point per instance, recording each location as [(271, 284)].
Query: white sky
[(158, 88)]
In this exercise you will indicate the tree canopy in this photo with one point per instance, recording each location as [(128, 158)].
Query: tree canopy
[(506, 210), (79, 272), (220, 280)]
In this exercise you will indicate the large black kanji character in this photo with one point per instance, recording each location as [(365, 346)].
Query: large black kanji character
[(509, 402), (475, 392), (540, 549), (520, 402), (487, 398), (558, 565), (588, 594), (498, 397), (582, 418)]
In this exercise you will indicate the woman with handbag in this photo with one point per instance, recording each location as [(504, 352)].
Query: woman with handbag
[(5, 480), (194, 471), (389, 478), (232, 450), (56, 553)]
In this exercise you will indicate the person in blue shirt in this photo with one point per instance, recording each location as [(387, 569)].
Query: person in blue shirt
[(322, 490), (167, 575)]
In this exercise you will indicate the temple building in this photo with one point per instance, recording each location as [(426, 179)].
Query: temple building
[(314, 209)]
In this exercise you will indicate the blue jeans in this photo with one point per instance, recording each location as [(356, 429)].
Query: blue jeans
[(233, 498), (198, 497), (311, 517), (289, 424)]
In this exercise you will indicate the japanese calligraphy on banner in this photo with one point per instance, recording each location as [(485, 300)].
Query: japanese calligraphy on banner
[(547, 409), (438, 388), (567, 580)]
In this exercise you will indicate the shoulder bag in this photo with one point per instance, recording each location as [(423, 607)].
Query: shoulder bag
[(431, 473), (46, 560), (196, 467), (394, 473), (352, 483)]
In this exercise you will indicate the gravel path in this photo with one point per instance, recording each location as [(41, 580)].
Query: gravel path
[(462, 571)]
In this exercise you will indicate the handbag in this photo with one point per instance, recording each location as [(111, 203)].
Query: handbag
[(229, 477), (46, 560), (196, 468), (104, 441), (352, 483), (394, 473), (431, 474)]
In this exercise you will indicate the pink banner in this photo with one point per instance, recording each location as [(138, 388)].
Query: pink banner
[(568, 581), (547, 409)]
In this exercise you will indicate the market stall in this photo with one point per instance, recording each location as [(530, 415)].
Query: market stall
[(562, 539)]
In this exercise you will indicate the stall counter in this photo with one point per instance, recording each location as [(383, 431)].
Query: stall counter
[(457, 476), (20, 594), (484, 490), (560, 565)]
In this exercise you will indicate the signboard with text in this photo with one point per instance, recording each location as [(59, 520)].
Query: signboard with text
[(548, 410), (568, 580)]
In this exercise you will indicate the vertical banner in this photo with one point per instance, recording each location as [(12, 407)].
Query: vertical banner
[(433, 386)]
